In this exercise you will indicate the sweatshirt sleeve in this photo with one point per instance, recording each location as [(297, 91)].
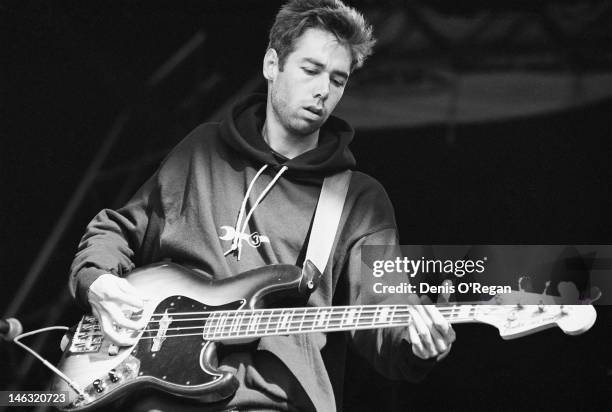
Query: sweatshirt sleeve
[(111, 241), (387, 349)]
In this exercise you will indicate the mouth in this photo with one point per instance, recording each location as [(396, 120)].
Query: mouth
[(318, 111)]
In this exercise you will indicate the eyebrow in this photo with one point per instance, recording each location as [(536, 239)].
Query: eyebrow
[(340, 73)]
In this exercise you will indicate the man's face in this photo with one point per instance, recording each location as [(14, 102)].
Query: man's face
[(312, 81)]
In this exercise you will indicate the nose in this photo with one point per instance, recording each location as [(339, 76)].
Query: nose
[(322, 88)]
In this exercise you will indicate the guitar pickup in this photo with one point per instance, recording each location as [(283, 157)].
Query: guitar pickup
[(160, 337)]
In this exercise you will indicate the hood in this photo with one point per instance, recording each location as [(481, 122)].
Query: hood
[(241, 129)]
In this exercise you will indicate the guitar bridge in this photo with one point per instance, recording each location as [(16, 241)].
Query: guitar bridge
[(88, 336)]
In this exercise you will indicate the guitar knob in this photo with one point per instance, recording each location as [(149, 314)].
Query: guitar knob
[(114, 376), (99, 385)]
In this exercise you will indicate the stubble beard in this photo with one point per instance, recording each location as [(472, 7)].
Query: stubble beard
[(292, 123)]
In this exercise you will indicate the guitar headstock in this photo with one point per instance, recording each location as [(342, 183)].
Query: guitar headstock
[(518, 314)]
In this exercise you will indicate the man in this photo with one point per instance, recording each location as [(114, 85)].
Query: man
[(257, 175)]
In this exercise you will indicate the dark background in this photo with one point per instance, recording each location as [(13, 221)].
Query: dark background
[(70, 68)]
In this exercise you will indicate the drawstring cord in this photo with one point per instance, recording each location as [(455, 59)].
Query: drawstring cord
[(239, 230), (242, 209)]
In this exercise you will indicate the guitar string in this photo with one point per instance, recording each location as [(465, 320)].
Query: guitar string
[(313, 309), (329, 315), (305, 323), (338, 314), (280, 331), (229, 325), (440, 307), (317, 314)]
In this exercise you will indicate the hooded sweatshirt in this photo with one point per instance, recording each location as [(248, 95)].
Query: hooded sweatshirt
[(223, 201)]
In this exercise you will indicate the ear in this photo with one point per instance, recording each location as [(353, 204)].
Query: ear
[(270, 64)]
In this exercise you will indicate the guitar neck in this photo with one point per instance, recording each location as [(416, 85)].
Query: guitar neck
[(223, 325)]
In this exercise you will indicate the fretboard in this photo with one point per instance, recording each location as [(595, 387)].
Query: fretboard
[(223, 325)]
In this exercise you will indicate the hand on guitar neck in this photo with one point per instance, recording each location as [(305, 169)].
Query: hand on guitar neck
[(110, 296), (430, 334)]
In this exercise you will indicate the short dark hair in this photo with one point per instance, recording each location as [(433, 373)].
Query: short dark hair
[(346, 23)]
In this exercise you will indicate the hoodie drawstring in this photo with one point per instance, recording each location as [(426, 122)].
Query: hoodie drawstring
[(241, 226)]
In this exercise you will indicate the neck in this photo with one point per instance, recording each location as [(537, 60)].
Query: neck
[(282, 141), (268, 322)]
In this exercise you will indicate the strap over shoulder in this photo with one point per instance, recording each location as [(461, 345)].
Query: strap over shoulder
[(327, 218)]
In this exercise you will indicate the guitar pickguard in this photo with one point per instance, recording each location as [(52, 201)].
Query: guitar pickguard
[(176, 360)]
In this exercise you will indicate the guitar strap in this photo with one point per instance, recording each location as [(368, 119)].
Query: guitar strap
[(327, 218)]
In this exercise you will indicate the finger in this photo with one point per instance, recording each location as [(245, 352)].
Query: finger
[(440, 323), (439, 341), (106, 324), (127, 294), (444, 354), (129, 289), (423, 330), (110, 287), (417, 345), (119, 317)]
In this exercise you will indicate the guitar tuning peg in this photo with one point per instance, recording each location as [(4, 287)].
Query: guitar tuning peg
[(544, 292), (524, 284), (541, 303)]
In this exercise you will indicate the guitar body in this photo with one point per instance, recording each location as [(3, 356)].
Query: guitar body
[(184, 367)]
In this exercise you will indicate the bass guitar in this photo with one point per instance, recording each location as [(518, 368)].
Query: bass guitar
[(189, 314)]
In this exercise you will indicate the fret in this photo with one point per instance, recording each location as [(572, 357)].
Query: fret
[(374, 316), (393, 310), (234, 321), (204, 327), (231, 322), (258, 323), (329, 317), (301, 327), (351, 315), (279, 321), (338, 318), (343, 319), (216, 324), (321, 317), (285, 320), (252, 326), (222, 322), (246, 321), (292, 320), (240, 318), (358, 317), (269, 319), (384, 312), (393, 313), (314, 320)]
